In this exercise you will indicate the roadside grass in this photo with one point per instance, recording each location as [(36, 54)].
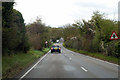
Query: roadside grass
[(11, 65), (96, 55)]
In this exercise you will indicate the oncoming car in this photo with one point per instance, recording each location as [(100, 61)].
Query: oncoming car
[(55, 48)]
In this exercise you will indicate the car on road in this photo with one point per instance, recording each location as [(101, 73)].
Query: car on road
[(55, 48)]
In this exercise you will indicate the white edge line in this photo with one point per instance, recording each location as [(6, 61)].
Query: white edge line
[(84, 69), (95, 58), (33, 66), (103, 61)]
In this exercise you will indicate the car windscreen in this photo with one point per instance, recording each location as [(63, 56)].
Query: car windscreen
[(55, 46)]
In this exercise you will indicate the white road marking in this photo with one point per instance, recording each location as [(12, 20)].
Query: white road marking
[(94, 58), (102, 60), (70, 58), (67, 57), (33, 66), (84, 69)]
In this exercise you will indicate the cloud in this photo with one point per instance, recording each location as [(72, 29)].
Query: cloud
[(60, 12)]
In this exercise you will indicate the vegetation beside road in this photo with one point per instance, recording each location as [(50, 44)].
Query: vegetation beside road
[(93, 35), (21, 42), (96, 55), (13, 64)]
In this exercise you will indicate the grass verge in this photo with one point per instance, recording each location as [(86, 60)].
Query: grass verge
[(11, 65), (96, 55)]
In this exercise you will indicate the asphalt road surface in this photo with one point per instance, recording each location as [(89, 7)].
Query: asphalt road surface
[(68, 64)]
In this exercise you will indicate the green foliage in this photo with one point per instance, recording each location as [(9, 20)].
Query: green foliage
[(96, 55), (96, 42), (93, 35), (13, 30), (55, 33), (7, 10), (113, 48), (38, 33), (117, 49), (17, 62), (69, 32)]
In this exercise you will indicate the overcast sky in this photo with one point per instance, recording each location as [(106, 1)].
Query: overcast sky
[(60, 12)]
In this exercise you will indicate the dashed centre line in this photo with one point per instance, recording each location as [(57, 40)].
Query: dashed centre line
[(84, 69), (70, 58)]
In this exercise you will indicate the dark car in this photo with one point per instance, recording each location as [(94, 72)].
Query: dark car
[(55, 48)]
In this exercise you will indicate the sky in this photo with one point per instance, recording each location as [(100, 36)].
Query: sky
[(57, 13)]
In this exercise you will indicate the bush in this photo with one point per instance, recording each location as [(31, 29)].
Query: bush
[(113, 48), (38, 33), (13, 30), (117, 49)]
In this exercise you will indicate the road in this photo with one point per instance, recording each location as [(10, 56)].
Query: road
[(70, 64)]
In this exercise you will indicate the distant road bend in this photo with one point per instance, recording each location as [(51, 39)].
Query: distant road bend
[(69, 64)]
